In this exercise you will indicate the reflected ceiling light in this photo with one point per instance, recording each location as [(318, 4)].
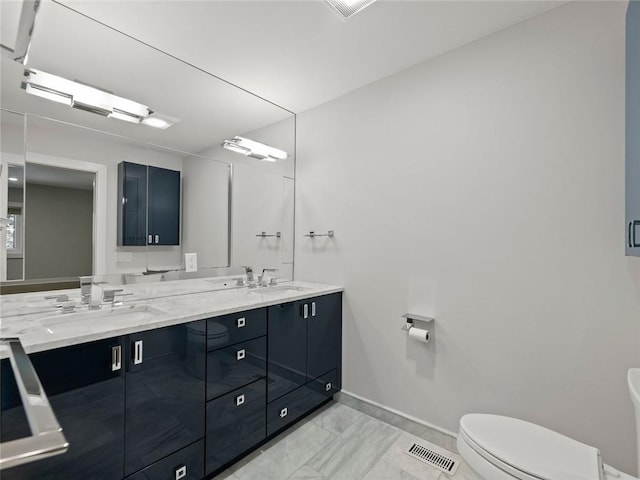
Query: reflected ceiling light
[(85, 97), (254, 149), (348, 8), (158, 120), (13, 179)]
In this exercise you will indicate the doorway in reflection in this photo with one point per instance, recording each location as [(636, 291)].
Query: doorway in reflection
[(58, 227)]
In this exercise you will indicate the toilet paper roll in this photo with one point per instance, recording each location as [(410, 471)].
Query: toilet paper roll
[(419, 334)]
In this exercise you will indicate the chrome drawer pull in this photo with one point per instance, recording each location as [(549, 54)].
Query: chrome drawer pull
[(241, 322), (150, 239), (240, 354), (180, 472), (239, 400), (327, 387), (284, 412), (137, 352), (305, 311), (116, 358), (313, 309)]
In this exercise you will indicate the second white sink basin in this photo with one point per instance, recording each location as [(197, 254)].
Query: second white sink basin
[(279, 289), (126, 314)]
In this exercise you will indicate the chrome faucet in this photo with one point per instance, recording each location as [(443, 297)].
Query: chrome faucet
[(265, 279), (85, 289), (251, 281)]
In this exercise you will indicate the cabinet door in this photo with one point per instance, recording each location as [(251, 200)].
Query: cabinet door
[(324, 335), (165, 393), (132, 206), (164, 206), (632, 233), (87, 395), (287, 348)]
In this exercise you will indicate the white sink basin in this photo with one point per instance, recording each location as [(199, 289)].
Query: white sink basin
[(87, 319), (279, 289)]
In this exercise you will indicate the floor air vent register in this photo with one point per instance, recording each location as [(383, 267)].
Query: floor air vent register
[(435, 459)]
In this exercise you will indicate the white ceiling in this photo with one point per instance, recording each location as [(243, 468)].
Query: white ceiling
[(299, 53)]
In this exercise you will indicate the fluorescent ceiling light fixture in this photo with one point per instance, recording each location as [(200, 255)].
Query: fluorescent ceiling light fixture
[(13, 179), (87, 98), (348, 8), (254, 149)]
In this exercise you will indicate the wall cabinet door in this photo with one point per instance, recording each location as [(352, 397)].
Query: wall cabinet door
[(287, 348), (632, 226), (132, 206), (85, 386), (165, 393), (164, 206), (324, 334)]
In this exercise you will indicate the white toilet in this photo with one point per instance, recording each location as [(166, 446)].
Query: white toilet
[(504, 448)]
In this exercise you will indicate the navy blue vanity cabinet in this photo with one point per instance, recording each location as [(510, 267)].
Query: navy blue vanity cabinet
[(632, 225), (236, 423), (287, 340), (85, 385), (165, 393), (324, 335), (148, 205), (164, 206), (236, 386), (185, 464), (132, 204)]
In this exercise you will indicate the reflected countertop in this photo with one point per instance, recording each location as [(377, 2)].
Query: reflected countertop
[(41, 326)]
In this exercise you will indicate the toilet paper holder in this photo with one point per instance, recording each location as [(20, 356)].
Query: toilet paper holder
[(411, 317)]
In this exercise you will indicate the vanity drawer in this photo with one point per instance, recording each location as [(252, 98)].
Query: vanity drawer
[(236, 327), (235, 424), (233, 367), (326, 385), (185, 464), (287, 409)]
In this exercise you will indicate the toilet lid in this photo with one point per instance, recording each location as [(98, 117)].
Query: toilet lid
[(531, 450)]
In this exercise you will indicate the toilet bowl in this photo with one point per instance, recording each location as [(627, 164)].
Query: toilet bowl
[(504, 448), (199, 339)]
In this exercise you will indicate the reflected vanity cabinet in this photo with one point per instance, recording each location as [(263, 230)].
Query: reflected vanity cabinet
[(148, 205), (632, 224)]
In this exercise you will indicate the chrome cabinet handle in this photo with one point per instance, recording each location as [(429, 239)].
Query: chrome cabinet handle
[(241, 322), (137, 352), (240, 354), (313, 309), (305, 311), (150, 239), (327, 387), (116, 358), (157, 238), (47, 438), (284, 412), (180, 472), (239, 400)]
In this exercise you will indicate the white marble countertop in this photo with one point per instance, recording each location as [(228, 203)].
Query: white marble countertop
[(41, 326)]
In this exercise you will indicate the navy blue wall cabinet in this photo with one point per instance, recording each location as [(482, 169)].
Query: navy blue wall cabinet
[(165, 393), (148, 206), (86, 390), (632, 226)]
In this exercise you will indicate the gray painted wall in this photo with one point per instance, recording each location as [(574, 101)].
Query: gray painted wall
[(58, 232)]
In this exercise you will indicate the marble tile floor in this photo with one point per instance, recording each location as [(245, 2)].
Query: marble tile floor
[(340, 443)]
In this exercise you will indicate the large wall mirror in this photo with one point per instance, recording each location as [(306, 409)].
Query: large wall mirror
[(59, 195)]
